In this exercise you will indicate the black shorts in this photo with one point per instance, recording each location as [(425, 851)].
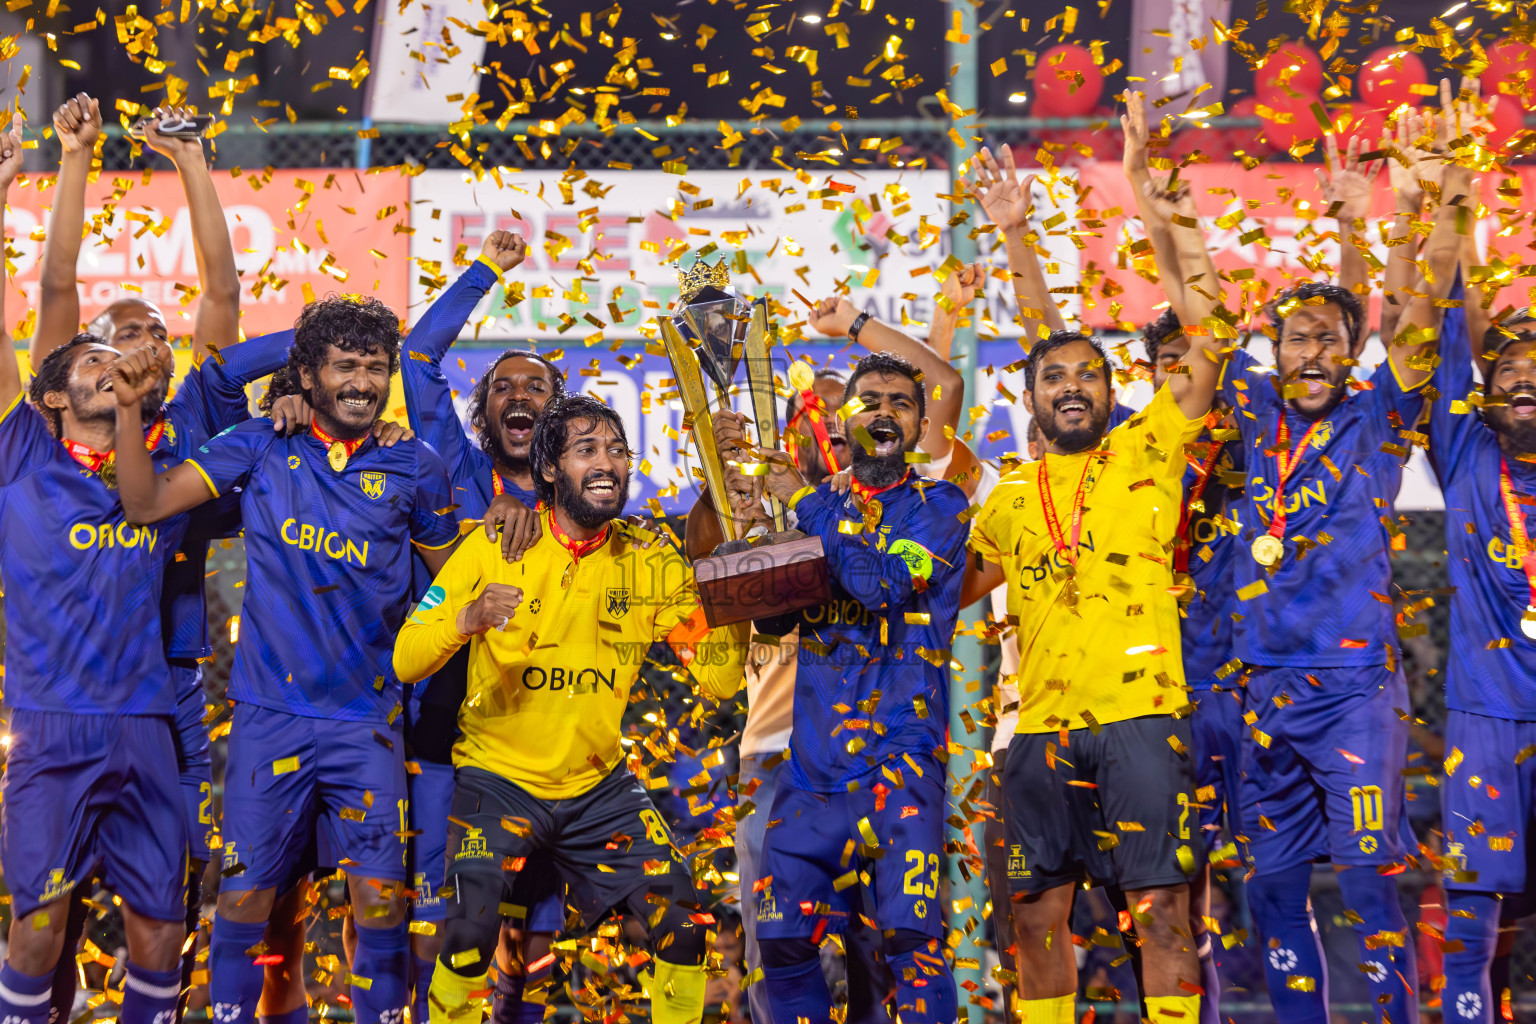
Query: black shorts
[(1132, 826), (605, 845)]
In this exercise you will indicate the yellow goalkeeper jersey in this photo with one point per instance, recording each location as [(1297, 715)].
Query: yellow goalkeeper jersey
[(547, 692)]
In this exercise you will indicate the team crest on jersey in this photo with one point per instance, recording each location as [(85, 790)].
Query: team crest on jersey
[(373, 484), (618, 601), (474, 846), (1323, 436)]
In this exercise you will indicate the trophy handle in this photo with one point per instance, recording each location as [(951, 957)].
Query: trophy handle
[(765, 416), (690, 387)]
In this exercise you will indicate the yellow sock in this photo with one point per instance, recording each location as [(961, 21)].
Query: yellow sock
[(1173, 1009), (1056, 1010), (676, 991), (455, 999)]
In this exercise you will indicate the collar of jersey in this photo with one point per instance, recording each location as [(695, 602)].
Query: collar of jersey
[(579, 549), (327, 440), (864, 493)]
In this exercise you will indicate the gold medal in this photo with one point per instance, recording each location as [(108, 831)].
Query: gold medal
[(802, 377), (1184, 587), (1528, 621), (1267, 549), (109, 474), (1069, 592), (337, 455), (873, 510), (567, 576)]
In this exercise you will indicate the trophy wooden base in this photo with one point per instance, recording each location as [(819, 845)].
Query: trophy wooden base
[(783, 573)]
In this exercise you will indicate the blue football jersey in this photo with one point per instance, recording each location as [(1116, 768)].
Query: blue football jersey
[(1486, 574), (210, 399), (872, 681), (1328, 602), (328, 554), (1207, 626), (82, 586)]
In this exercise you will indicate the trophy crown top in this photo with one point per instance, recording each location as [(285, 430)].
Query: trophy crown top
[(702, 275)]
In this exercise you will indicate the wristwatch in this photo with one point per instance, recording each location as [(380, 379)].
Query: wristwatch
[(857, 326)]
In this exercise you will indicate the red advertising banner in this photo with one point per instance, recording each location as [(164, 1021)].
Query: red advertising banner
[(1270, 221), (314, 231)]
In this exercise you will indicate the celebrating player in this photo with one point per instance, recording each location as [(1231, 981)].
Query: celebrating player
[(503, 410), (329, 518), (1089, 609), (871, 706), (1483, 463), (559, 666), (91, 775), (1323, 760)]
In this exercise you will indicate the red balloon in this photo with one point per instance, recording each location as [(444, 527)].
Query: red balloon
[(1508, 117), (1300, 126), (1249, 141), (1388, 83), (1512, 73), (1307, 76), (1058, 96)]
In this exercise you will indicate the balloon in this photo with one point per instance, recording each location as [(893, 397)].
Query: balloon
[(1250, 141), (1386, 83), (1277, 71), (1056, 96), (1512, 72), (1301, 125), (1508, 117)]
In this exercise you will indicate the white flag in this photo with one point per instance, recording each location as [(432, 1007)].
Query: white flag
[(415, 68)]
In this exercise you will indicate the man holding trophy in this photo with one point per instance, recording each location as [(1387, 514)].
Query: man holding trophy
[(857, 824)]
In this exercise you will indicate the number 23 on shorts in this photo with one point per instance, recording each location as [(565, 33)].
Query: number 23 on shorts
[(912, 881)]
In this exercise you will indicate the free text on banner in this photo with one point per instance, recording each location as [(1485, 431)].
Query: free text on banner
[(333, 231)]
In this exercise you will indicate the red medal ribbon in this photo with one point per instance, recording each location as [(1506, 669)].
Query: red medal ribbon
[(1181, 544), (577, 548), (1048, 508), (93, 460), (1286, 468), (811, 401), (497, 487), (864, 493), (1517, 532), (328, 440)]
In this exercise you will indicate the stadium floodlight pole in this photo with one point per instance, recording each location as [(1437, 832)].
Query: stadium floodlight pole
[(967, 891)]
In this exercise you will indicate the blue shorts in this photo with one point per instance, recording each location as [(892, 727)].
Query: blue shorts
[(812, 884), (1323, 772), (93, 793), (295, 784), (194, 762), (1487, 802), (1215, 732)]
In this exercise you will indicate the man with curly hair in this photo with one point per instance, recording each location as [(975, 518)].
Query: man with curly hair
[(316, 752)]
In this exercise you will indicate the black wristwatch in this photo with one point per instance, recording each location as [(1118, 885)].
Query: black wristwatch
[(857, 326)]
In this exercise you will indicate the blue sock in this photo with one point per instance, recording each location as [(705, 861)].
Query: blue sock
[(507, 1007), (234, 977), (383, 957), (24, 996), (298, 1015), (149, 994), (1391, 967), (1468, 995), (1210, 1003), (1282, 914), (421, 984), (925, 987), (796, 987)]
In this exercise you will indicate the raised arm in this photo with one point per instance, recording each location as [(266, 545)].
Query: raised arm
[(1442, 251), (1413, 167), (960, 288), (10, 166), (1133, 124), (1006, 200), (78, 125), (834, 318), (217, 322), (1348, 184), (147, 496), (1194, 390)]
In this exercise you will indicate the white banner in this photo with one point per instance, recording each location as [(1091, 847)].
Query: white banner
[(420, 58)]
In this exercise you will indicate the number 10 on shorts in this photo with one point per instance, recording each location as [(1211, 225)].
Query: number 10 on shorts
[(1366, 802)]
